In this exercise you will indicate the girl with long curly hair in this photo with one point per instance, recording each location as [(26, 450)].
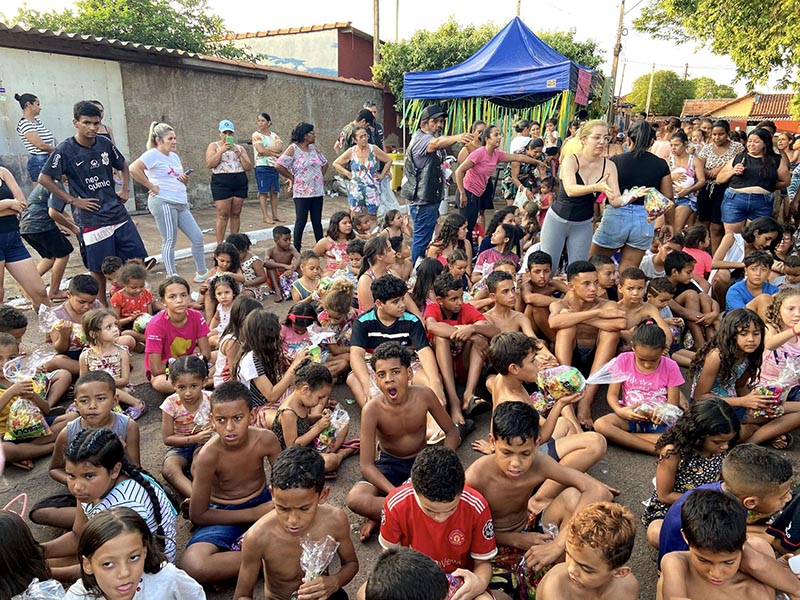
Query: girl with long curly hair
[(452, 236), (690, 454)]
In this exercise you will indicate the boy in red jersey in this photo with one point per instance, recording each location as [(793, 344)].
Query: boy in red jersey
[(438, 516)]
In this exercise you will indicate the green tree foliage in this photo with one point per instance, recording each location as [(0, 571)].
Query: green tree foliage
[(760, 36), (705, 87), (181, 24), (586, 53), (669, 92), (451, 44)]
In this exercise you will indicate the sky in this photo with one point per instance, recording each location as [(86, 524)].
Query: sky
[(591, 19)]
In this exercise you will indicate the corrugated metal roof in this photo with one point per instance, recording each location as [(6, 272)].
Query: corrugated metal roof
[(91, 39), (180, 57), (698, 107), (287, 31), (771, 106)]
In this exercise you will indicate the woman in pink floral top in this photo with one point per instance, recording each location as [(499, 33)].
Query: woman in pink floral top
[(305, 168)]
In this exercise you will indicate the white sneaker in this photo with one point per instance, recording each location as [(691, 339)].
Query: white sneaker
[(200, 277)]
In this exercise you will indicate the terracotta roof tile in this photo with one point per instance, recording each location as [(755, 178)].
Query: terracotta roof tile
[(771, 106), (698, 107)]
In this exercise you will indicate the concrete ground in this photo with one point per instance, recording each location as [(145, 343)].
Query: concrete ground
[(622, 469)]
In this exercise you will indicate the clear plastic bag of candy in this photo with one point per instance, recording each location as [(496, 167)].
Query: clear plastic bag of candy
[(611, 372), (140, 322), (319, 336), (658, 412), (339, 420), (542, 403), (25, 421), (560, 381), (656, 204), (315, 556), (788, 377), (24, 367), (49, 589), (48, 320), (632, 194)]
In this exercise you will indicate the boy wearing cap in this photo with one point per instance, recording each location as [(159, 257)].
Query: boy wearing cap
[(424, 186), (229, 163)]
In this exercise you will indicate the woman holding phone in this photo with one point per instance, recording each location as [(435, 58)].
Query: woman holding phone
[(229, 163), (161, 172)]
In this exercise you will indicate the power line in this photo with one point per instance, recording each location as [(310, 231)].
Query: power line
[(632, 7), (699, 68)]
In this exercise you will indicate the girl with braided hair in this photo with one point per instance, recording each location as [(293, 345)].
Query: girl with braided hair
[(101, 478)]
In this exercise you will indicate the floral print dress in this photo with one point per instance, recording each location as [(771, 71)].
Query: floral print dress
[(306, 167), (362, 190)]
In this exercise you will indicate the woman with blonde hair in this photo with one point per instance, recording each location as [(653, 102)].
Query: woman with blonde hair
[(585, 175), (161, 172)]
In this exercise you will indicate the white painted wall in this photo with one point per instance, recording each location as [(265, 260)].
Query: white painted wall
[(310, 52), (59, 81)]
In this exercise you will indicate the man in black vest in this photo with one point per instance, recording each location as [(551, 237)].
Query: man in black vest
[(424, 186)]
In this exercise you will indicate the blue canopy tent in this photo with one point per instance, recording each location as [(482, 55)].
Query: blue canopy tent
[(515, 70)]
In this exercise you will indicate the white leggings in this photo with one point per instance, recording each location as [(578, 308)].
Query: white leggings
[(556, 232), (170, 218)]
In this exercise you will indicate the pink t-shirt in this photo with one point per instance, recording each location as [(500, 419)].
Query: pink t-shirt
[(703, 265), (164, 338), (483, 166), (293, 342), (647, 386)]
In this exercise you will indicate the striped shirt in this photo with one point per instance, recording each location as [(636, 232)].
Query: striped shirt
[(24, 126), (131, 494)]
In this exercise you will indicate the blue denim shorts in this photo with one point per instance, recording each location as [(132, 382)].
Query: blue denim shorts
[(738, 207), (228, 537), (267, 180), (35, 164), (690, 201), (624, 226), (11, 247)]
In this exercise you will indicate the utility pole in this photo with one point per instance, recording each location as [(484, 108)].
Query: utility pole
[(622, 77), (397, 22), (686, 72), (615, 62), (650, 90), (519, 7), (376, 32)]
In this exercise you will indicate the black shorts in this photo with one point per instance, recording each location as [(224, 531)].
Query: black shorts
[(49, 244), (228, 185), (709, 203), (396, 470), (582, 359), (486, 201)]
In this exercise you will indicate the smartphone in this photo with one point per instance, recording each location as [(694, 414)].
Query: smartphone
[(230, 140), (188, 171)]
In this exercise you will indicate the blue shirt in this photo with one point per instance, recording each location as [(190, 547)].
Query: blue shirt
[(670, 539), (738, 295)]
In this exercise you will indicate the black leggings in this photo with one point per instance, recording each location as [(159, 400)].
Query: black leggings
[(302, 208)]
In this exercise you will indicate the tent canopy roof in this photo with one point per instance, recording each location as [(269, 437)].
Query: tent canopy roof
[(513, 63)]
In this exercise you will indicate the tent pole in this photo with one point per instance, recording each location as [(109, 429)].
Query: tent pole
[(403, 128)]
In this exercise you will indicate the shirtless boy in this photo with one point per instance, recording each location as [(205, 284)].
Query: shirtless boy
[(396, 420), (282, 257), (229, 490), (599, 543), (503, 316), (299, 494), (632, 286), (714, 525), (537, 292), (508, 478), (695, 307), (587, 329)]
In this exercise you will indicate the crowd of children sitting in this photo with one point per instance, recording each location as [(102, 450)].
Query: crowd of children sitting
[(484, 324)]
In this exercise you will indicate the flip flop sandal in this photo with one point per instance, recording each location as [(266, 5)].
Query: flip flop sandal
[(437, 439), (465, 429), (24, 465), (331, 475), (136, 412), (787, 439), (354, 444), (476, 405)]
